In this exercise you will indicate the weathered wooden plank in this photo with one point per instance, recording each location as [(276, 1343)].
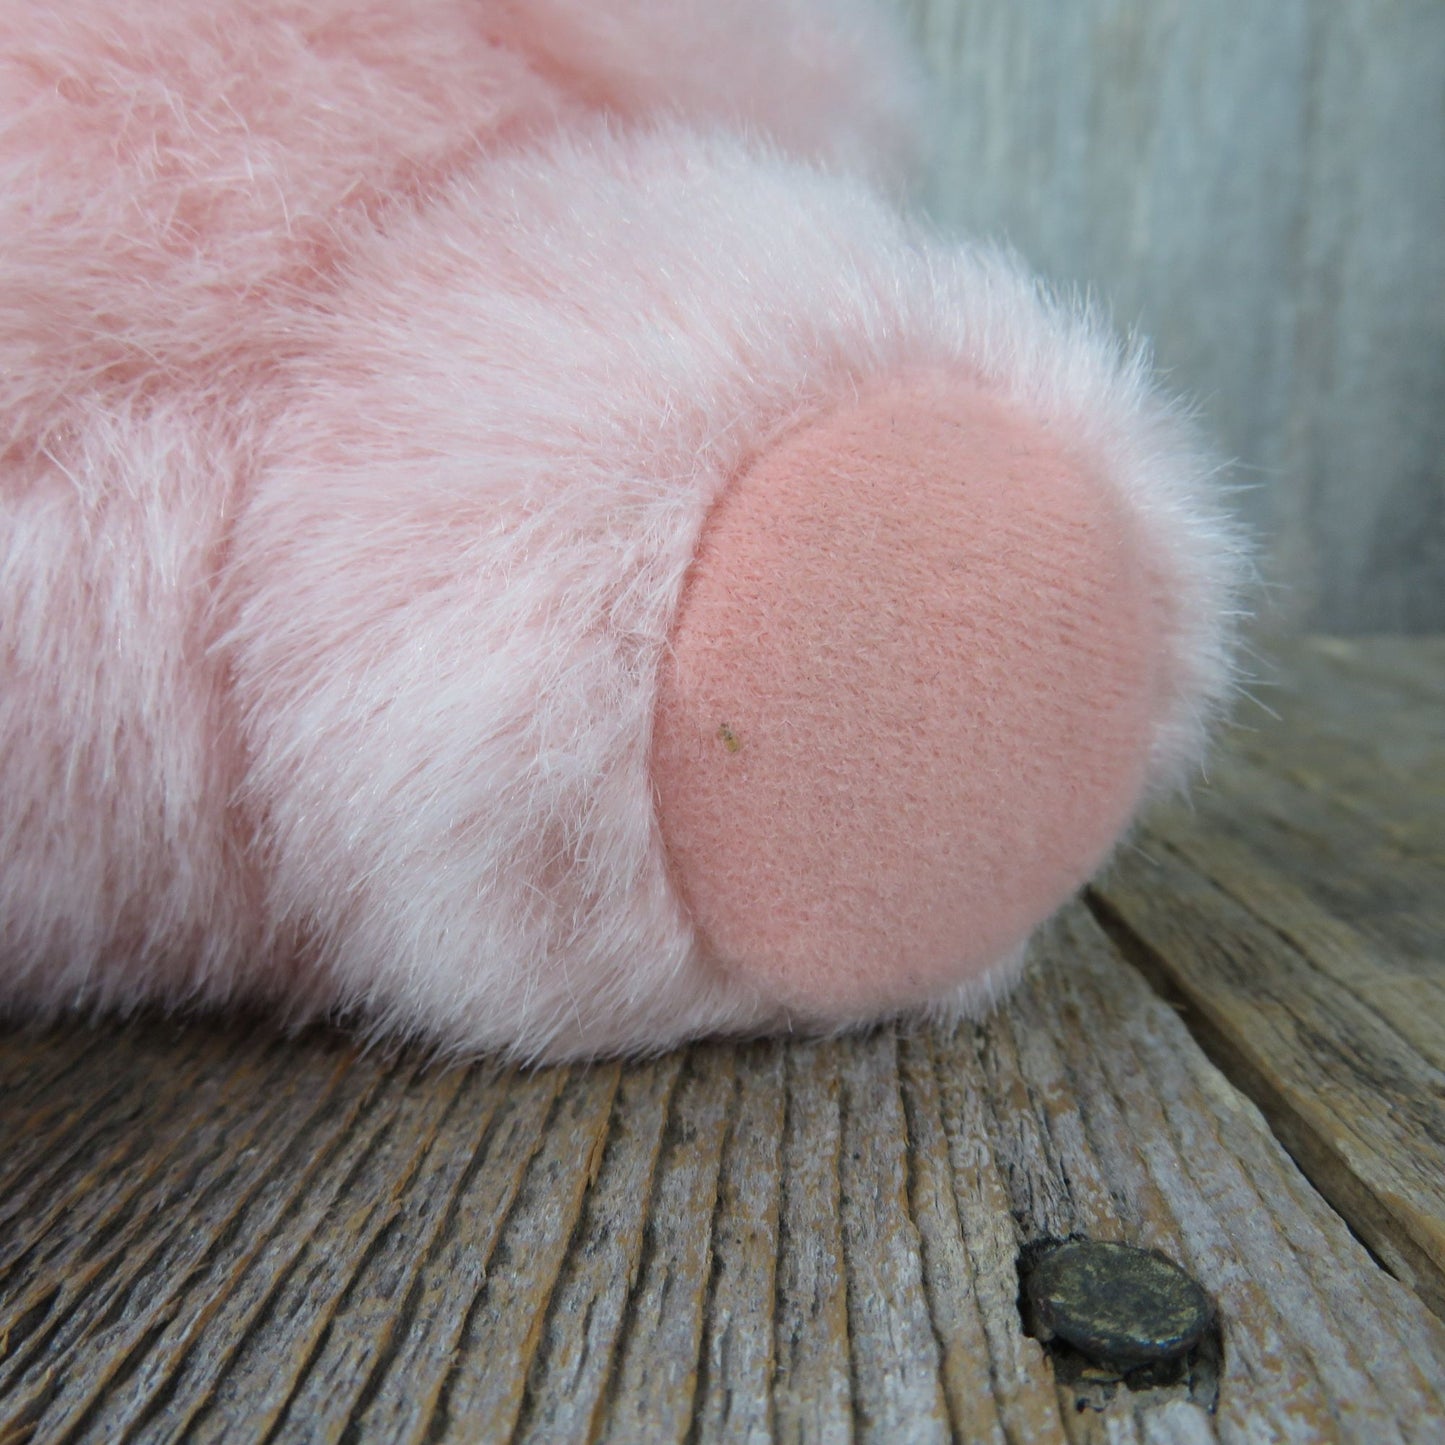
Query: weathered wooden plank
[(1369, 916), (1306, 1024), (806, 1241), (276, 1350), (482, 1386), (812, 1389), (652, 1388), (541, 1120), (570, 1383), (1304, 934), (119, 1217), (145, 1260), (1361, 739), (734, 1400), (1199, 1183), (897, 1388), (82, 1117), (969, 1245), (363, 1320), (1402, 666), (1403, 811)]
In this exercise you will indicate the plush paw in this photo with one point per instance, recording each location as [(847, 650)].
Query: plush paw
[(910, 698)]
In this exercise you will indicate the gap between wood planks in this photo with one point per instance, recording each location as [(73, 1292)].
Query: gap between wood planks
[(1294, 916)]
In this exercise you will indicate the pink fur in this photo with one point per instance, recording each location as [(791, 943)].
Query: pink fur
[(826, 80), (368, 374)]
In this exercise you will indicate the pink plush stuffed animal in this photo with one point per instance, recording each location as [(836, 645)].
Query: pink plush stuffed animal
[(508, 529)]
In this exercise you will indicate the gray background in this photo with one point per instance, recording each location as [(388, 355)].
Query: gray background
[(1258, 185)]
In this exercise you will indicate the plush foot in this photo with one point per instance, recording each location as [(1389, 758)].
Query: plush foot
[(909, 699)]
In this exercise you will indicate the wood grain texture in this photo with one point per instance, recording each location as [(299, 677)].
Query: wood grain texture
[(1260, 188), (1296, 908), (211, 1232)]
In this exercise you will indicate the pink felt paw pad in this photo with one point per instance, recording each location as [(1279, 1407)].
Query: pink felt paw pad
[(909, 698)]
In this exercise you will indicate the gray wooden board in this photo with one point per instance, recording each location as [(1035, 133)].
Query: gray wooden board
[(806, 1240), (1295, 907), (1260, 189)]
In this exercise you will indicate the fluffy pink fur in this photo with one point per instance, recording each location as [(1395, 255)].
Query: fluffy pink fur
[(368, 374)]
